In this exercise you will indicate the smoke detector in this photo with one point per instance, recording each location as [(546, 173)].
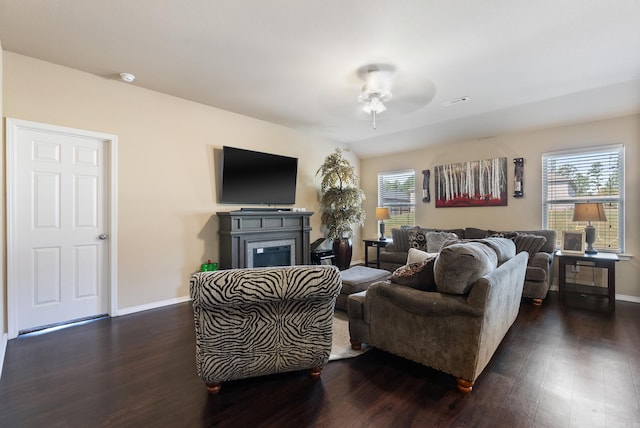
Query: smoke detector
[(127, 77)]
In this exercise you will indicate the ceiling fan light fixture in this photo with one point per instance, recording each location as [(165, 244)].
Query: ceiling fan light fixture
[(374, 105), (373, 95)]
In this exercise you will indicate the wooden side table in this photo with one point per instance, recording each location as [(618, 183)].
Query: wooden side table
[(599, 260), (377, 243)]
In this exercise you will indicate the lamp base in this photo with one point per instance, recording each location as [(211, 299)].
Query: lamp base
[(590, 237), (382, 237)]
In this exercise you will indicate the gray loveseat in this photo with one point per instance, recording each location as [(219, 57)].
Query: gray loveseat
[(539, 266), (455, 329)]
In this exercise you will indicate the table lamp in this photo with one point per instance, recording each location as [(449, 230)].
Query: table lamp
[(589, 211), (382, 214)]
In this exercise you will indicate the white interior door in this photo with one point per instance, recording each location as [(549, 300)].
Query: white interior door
[(59, 227)]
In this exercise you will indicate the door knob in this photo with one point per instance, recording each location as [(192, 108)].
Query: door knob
[(102, 236)]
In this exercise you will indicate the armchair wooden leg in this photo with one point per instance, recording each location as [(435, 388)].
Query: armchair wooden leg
[(314, 373), (356, 345), (213, 387), (464, 386), (537, 302)]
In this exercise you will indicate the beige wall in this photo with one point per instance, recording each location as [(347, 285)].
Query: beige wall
[(524, 212), (3, 276), (167, 173)]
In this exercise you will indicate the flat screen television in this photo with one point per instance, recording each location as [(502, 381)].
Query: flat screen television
[(250, 177)]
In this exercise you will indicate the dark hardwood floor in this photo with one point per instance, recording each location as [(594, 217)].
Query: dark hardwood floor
[(557, 367)]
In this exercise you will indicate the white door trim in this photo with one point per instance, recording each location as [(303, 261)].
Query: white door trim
[(111, 158)]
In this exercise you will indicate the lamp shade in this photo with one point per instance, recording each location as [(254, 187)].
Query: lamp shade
[(382, 213), (589, 211)]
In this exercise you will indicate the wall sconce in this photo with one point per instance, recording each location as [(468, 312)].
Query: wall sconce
[(589, 211), (382, 214), (518, 177)]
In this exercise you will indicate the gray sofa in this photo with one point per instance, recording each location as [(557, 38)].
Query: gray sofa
[(455, 329), (539, 267), (254, 322)]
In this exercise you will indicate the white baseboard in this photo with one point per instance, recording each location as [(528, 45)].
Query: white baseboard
[(3, 350), (625, 298), (621, 297), (154, 305)]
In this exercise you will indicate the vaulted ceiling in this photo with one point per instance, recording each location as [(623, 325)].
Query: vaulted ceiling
[(524, 64)]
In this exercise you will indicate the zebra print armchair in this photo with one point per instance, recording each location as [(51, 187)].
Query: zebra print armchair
[(254, 322)]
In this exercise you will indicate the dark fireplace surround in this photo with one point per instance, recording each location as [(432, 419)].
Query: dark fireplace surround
[(242, 234)]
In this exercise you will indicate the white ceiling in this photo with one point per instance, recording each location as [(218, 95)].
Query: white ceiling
[(525, 64)]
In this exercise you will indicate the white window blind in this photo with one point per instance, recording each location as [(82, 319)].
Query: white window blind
[(587, 175), (397, 191)]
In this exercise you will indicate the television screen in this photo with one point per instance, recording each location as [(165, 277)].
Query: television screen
[(250, 177)]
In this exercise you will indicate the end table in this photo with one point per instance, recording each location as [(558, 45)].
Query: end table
[(599, 260), (377, 243)]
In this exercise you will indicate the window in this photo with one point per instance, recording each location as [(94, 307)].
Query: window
[(397, 191), (587, 175)]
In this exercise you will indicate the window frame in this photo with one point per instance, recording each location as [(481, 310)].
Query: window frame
[(411, 205), (581, 156)]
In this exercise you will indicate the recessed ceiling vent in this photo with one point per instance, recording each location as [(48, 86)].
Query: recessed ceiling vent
[(456, 101)]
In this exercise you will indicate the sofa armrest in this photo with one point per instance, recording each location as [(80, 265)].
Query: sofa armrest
[(390, 247), (423, 303), (500, 286), (541, 260)]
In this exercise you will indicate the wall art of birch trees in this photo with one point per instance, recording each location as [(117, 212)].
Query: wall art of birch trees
[(480, 183)]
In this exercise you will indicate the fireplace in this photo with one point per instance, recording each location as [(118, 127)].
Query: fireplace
[(242, 232), (271, 253)]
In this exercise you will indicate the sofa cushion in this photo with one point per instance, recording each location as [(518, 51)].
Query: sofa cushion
[(505, 248), (459, 266), (529, 243), (436, 239), (418, 275), (508, 235), (475, 233), (397, 257)]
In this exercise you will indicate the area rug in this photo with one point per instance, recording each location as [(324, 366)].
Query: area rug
[(341, 347)]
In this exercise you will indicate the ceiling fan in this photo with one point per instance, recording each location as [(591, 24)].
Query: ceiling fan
[(411, 90), (375, 91), (368, 91)]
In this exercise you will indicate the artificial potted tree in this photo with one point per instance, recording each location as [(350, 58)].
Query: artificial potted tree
[(340, 204)]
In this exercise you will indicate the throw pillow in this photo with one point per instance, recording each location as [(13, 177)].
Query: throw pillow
[(417, 275), (459, 266), (400, 239), (529, 243), (418, 238), (436, 239), (416, 255)]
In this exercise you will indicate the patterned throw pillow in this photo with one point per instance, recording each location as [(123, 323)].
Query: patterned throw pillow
[(529, 243), (417, 275), (418, 238)]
